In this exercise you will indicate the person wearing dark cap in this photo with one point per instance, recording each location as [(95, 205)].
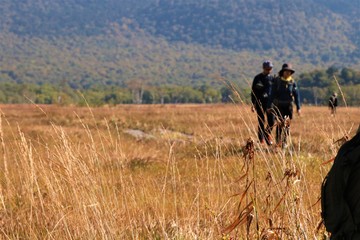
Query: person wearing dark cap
[(259, 97), (283, 93)]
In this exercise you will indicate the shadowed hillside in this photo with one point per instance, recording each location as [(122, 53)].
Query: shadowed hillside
[(89, 43)]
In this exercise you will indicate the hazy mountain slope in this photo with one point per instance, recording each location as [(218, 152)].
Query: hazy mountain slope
[(66, 17), (87, 42), (248, 24), (82, 61), (235, 24)]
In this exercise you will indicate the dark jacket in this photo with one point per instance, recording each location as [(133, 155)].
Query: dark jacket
[(260, 89), (333, 101), (284, 93), (340, 193)]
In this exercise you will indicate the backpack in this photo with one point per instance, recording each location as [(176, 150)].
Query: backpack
[(337, 207)]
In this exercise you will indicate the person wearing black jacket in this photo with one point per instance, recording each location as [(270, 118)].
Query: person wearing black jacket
[(259, 97), (283, 93), (333, 102), (340, 193)]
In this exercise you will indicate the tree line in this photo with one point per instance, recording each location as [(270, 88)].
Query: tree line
[(14, 93), (315, 88)]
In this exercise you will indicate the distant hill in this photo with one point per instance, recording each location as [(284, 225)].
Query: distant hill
[(111, 42), (246, 24)]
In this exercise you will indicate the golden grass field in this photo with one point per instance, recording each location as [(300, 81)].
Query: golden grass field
[(78, 173)]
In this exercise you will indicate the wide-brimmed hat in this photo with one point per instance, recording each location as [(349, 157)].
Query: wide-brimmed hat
[(286, 67)]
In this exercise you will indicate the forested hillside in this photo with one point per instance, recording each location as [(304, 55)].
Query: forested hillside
[(303, 26), (149, 43)]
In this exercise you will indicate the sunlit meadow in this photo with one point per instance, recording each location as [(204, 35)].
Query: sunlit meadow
[(162, 172)]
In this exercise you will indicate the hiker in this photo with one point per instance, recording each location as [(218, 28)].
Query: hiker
[(340, 193), (333, 102), (259, 98), (282, 95)]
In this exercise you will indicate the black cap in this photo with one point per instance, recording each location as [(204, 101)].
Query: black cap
[(267, 64)]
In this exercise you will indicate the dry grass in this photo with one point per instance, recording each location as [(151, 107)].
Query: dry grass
[(73, 173)]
